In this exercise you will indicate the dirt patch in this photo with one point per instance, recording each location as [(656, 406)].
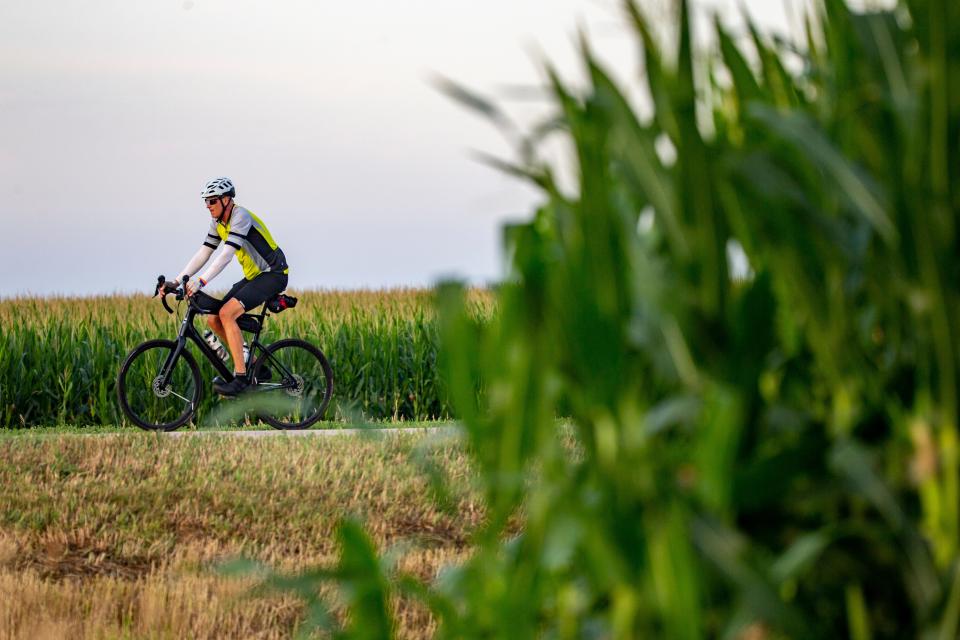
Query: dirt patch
[(66, 560), (441, 532)]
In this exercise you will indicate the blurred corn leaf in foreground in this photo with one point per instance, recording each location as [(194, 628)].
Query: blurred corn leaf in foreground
[(767, 455)]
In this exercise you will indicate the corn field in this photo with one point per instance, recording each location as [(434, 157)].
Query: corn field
[(59, 356)]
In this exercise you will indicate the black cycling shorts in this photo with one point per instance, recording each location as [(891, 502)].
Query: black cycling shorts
[(253, 293)]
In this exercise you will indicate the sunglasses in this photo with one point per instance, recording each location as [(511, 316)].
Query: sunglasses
[(212, 200)]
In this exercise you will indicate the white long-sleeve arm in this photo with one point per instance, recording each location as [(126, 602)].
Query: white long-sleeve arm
[(219, 263), (198, 260)]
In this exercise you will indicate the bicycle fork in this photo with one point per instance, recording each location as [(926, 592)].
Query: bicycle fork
[(166, 370)]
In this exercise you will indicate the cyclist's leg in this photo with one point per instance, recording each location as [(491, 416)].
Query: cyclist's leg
[(248, 295), (213, 320), (229, 312)]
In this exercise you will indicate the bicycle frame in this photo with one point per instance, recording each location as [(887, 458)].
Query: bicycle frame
[(189, 332)]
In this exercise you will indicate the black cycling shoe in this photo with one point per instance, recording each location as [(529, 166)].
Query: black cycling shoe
[(265, 374), (233, 388)]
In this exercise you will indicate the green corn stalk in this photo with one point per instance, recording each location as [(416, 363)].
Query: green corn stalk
[(771, 455)]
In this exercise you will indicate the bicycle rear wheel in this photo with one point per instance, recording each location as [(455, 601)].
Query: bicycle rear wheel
[(146, 399), (294, 384)]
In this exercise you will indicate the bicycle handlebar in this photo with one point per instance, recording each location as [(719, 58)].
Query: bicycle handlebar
[(178, 292)]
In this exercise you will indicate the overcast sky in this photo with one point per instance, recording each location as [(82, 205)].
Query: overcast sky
[(113, 114)]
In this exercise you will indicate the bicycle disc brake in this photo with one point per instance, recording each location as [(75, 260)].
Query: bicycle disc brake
[(157, 391), (298, 387)]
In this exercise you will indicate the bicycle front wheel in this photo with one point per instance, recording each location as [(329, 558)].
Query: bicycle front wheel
[(157, 391), (294, 384)]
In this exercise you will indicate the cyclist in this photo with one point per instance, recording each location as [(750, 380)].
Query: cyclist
[(265, 271)]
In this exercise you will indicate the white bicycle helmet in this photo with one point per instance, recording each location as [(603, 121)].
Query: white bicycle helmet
[(219, 187)]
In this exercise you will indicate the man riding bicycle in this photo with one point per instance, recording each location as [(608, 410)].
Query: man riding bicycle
[(265, 272)]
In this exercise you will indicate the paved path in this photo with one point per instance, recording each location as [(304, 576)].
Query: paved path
[(372, 431)]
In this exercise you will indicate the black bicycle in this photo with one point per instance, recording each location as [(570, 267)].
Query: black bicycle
[(159, 385)]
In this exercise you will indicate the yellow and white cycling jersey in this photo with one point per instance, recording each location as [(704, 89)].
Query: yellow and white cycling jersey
[(257, 252)]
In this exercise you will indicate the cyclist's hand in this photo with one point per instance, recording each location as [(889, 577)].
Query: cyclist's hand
[(194, 285), (167, 287)]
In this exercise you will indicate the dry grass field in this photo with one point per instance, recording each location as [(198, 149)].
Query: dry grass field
[(123, 535)]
